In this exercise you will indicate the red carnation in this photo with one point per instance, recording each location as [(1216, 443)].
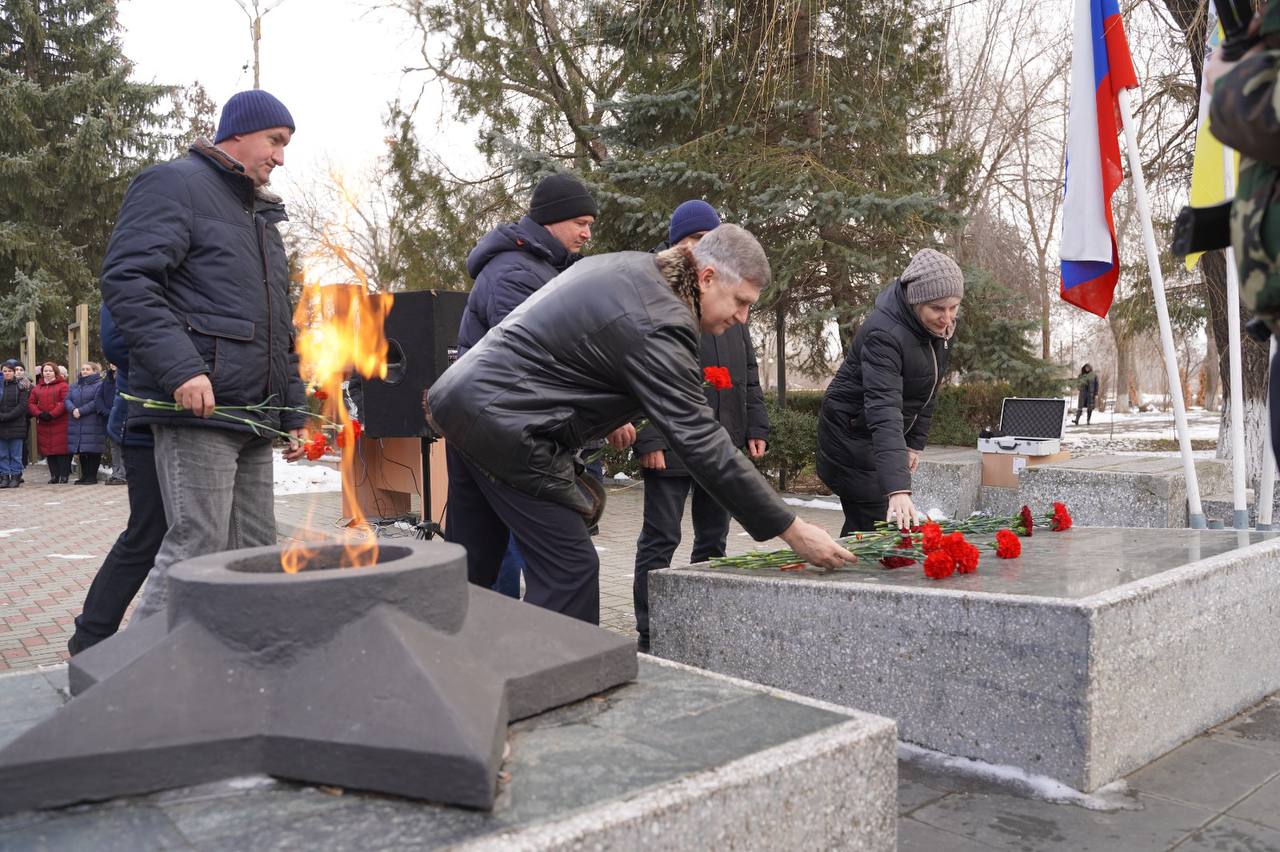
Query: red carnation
[(1061, 519), (954, 544), (717, 377), (967, 561), (905, 543), (316, 447), (897, 561), (351, 431), (939, 565), (1026, 522), (930, 537), (319, 394), (1007, 545)]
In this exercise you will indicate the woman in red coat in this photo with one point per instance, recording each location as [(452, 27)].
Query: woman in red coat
[(45, 404)]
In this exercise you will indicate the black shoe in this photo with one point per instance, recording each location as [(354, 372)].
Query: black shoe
[(642, 645), (62, 480), (86, 482), (114, 481), (6, 481), (14, 482)]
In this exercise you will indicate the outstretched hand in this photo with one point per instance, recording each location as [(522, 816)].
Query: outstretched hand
[(814, 545)]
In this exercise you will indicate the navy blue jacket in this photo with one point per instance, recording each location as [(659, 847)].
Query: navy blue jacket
[(117, 353), (197, 280), (13, 410), (509, 264), (88, 432)]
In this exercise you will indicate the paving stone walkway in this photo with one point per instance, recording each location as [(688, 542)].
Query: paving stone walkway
[(1220, 791)]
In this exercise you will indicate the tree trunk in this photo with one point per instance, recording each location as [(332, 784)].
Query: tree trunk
[(1213, 271), (1212, 385), (780, 329), (1124, 363), (1044, 313)]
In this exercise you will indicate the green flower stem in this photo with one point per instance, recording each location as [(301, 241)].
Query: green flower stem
[(219, 411)]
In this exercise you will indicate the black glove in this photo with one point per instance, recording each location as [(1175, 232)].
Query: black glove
[(46, 416)]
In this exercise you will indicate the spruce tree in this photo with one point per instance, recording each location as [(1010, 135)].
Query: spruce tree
[(73, 131)]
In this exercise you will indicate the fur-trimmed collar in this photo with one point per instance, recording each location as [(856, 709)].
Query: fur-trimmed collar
[(203, 146), (681, 274)]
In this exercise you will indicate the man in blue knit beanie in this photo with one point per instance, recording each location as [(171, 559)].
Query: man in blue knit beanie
[(197, 280)]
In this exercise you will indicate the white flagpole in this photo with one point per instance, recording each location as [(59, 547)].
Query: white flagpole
[(1240, 519), (1195, 512), (1267, 488)]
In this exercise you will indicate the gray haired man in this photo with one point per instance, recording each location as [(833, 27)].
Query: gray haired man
[(612, 339)]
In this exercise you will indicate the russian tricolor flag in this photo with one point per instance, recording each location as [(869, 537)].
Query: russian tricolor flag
[(1100, 68)]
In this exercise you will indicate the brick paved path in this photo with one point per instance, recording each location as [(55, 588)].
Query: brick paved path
[(54, 537)]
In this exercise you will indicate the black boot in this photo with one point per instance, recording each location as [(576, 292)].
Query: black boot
[(6, 480)]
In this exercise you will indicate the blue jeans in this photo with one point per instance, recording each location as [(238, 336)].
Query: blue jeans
[(509, 574), (10, 456)]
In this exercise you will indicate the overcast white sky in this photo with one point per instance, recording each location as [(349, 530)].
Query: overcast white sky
[(335, 63)]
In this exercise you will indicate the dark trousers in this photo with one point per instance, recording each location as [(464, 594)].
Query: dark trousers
[(562, 568), (861, 515), (131, 557), (664, 499), (59, 466), (1275, 405), (89, 464)]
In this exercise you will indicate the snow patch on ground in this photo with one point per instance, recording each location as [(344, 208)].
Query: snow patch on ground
[(16, 530), (1118, 433), (68, 556), (813, 503), (621, 477), (1109, 798), (302, 478)]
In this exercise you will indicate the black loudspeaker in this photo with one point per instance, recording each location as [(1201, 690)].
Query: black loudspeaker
[(422, 341)]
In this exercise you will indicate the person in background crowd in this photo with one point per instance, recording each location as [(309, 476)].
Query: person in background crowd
[(134, 552), (45, 404), (62, 372), (510, 264), (1087, 382), (106, 403), (20, 374), (13, 425), (86, 431), (667, 483), (875, 416)]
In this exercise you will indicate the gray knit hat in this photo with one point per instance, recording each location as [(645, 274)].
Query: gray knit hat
[(932, 275)]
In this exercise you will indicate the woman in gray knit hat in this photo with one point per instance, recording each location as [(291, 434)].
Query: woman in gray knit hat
[(876, 413)]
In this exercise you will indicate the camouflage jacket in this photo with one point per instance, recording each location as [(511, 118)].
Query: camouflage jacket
[(1245, 115)]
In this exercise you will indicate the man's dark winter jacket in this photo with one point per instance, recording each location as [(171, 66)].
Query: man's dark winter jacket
[(740, 409), (117, 353), (509, 264), (88, 432), (197, 281), (13, 410), (606, 342), (881, 401)]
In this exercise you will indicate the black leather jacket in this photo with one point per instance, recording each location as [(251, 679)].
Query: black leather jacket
[(604, 343)]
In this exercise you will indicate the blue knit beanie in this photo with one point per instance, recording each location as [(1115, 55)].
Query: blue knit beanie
[(248, 112), (690, 218)]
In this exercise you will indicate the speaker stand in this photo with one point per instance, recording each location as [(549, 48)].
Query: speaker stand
[(427, 528)]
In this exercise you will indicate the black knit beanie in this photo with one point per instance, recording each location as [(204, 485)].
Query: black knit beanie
[(560, 197)]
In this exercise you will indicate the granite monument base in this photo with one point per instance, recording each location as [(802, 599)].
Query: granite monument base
[(1111, 490), (678, 759), (1093, 653)]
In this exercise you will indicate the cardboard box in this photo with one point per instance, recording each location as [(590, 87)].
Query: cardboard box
[(1002, 469)]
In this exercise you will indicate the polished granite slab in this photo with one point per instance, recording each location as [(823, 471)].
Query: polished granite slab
[(672, 760), (1069, 565), (1096, 651)]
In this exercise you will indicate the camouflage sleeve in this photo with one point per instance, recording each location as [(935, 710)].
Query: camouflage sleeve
[(1245, 111)]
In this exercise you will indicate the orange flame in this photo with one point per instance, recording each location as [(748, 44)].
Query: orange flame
[(340, 331)]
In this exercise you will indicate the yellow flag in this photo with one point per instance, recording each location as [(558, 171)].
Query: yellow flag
[(1208, 175)]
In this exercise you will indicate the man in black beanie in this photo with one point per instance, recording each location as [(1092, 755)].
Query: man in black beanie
[(510, 263)]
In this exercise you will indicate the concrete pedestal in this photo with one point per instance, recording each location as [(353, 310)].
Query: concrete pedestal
[(1114, 490), (1095, 652), (679, 759)]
